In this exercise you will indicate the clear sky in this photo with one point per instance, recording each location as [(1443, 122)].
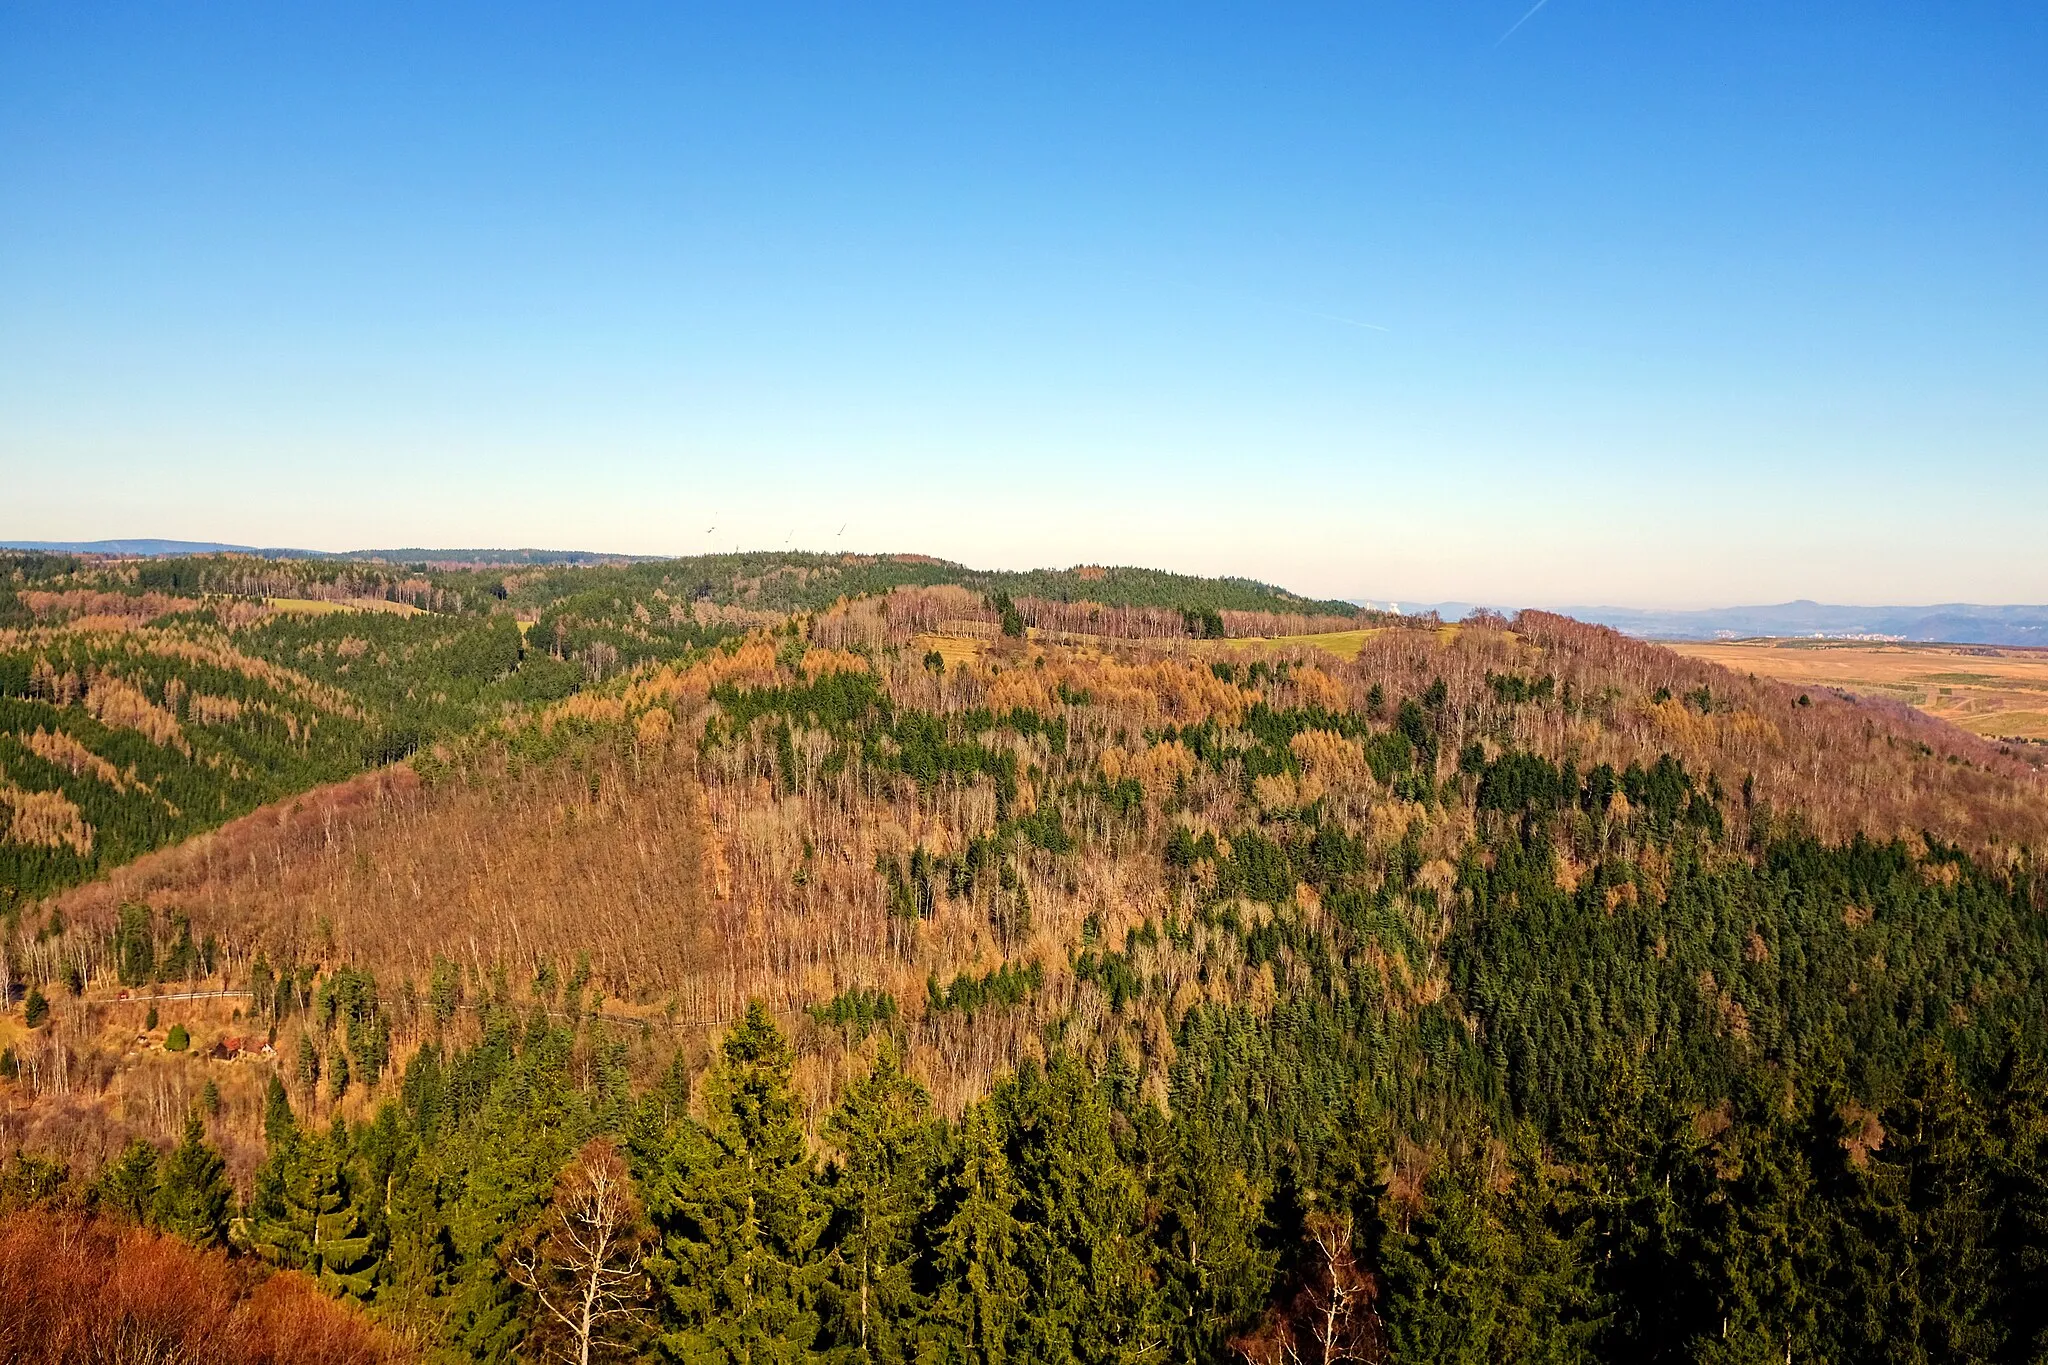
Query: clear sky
[(1646, 304)]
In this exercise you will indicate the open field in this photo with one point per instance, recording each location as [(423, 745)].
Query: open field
[(1996, 692), (318, 606), (1345, 644)]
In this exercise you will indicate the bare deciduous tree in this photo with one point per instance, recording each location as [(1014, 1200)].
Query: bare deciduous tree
[(582, 1260), (1331, 1318)]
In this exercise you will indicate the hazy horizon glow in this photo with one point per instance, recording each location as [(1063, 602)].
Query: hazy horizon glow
[(1634, 306)]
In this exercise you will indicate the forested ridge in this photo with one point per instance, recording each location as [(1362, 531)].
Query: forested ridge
[(875, 981), (142, 701)]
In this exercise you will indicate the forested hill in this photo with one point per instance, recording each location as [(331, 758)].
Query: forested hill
[(931, 977), (143, 700)]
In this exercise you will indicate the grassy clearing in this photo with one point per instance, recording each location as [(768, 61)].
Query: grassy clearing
[(314, 606), (1345, 644), (305, 606), (954, 649)]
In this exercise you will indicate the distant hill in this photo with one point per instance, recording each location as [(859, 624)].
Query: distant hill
[(1960, 623), (408, 555), (480, 558), (152, 547)]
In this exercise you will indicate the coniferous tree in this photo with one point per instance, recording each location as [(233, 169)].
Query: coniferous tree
[(301, 1215), (1481, 1272), (343, 1256), (1093, 1294), (976, 1263), (739, 1214), (515, 1116), (888, 1144), (193, 1194), (1932, 1180), (129, 1183), (1216, 1271), (2020, 1196), (413, 1280), (279, 1124)]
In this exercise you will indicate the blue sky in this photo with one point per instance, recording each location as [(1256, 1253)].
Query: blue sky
[(1668, 304)]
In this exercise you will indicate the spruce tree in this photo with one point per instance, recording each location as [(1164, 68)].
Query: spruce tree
[(302, 1217), (279, 1125), (2020, 1196), (129, 1182), (880, 1189), (1094, 1297), (307, 1066), (1444, 1269), (192, 1196), (738, 1214), (418, 1256), (342, 1255), (977, 1261), (1215, 1271), (1932, 1185)]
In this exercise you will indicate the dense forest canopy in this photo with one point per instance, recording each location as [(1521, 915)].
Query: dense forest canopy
[(804, 957)]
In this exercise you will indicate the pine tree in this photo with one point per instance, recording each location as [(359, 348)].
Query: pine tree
[(880, 1189), (738, 1213), (193, 1194)]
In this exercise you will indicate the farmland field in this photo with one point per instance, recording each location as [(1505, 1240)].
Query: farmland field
[(2000, 693)]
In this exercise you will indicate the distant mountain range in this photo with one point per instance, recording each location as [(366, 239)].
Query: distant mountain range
[(1961, 623), (409, 555)]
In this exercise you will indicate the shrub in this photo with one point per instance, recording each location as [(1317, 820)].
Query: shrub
[(178, 1040), (75, 1289)]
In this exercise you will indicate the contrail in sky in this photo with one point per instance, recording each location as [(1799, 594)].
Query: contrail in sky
[(1521, 21), (1348, 322)]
